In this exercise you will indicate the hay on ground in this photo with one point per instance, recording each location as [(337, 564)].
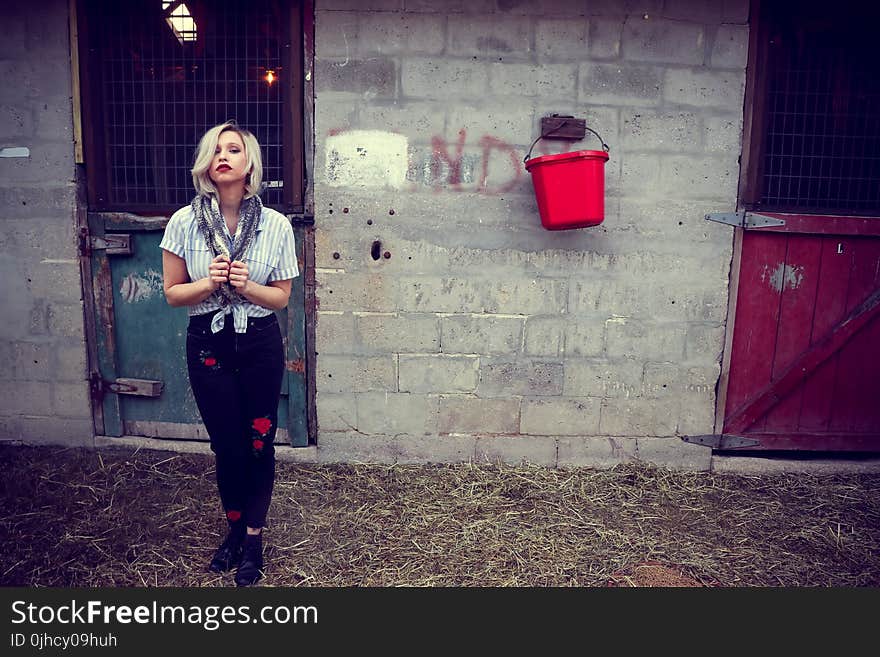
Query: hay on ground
[(124, 517)]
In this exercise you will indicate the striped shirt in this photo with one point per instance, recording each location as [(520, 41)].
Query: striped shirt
[(270, 257)]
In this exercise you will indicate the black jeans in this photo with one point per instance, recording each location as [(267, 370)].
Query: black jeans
[(236, 380)]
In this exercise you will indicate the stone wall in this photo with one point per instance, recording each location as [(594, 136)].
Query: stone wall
[(451, 325), (43, 393)]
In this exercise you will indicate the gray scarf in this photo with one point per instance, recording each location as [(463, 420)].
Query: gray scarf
[(211, 222)]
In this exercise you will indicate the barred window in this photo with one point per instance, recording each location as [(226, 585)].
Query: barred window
[(819, 134), (156, 74)]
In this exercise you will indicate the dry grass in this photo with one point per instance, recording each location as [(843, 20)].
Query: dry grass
[(141, 518)]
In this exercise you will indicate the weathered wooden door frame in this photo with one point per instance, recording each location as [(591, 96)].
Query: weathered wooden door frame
[(765, 399), (750, 172), (93, 294), (106, 230)]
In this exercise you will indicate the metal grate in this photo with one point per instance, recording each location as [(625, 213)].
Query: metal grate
[(171, 70), (822, 140)]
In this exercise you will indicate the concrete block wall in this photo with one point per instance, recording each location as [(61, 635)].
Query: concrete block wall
[(43, 393), (451, 326)]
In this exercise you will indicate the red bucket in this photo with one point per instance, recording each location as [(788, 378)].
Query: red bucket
[(569, 188)]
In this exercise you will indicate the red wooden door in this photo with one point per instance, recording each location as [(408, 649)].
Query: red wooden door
[(802, 370)]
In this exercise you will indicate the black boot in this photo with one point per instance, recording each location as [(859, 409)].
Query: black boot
[(229, 552), (249, 570)]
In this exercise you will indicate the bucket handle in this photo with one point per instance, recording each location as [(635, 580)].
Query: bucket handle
[(605, 147)]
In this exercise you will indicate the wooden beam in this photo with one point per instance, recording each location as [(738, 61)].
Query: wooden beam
[(732, 300), (760, 404), (74, 84), (819, 224), (754, 109), (308, 106), (812, 442)]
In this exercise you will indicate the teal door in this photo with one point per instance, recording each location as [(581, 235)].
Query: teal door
[(139, 382)]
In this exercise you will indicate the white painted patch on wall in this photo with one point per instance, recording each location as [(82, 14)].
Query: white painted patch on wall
[(366, 158), (15, 151), (135, 287)]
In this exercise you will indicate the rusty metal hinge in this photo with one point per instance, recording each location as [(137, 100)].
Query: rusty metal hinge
[(124, 386), (721, 441), (112, 243), (744, 219), (300, 219), (96, 389), (84, 243)]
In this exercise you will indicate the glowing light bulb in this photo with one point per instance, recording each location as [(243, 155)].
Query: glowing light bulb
[(270, 76)]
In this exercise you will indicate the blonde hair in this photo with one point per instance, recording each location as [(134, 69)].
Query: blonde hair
[(205, 154)]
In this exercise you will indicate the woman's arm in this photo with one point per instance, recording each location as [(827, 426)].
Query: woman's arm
[(179, 291)]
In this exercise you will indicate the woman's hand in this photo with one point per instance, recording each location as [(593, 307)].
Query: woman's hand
[(238, 275), (218, 271)]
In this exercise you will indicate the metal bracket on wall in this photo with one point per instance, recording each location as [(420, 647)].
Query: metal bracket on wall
[(721, 441), (563, 126), (301, 219), (744, 219), (123, 386)]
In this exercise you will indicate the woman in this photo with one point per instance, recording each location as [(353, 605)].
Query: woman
[(231, 262)]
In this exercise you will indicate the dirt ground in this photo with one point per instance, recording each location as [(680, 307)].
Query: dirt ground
[(127, 517)]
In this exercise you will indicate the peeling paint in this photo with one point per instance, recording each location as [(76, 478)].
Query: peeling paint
[(136, 288), (433, 170), (104, 303), (347, 51), (366, 158), (782, 276), (298, 366)]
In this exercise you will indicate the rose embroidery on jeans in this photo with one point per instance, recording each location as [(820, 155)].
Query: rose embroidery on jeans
[(233, 515), (209, 360), (262, 425)]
